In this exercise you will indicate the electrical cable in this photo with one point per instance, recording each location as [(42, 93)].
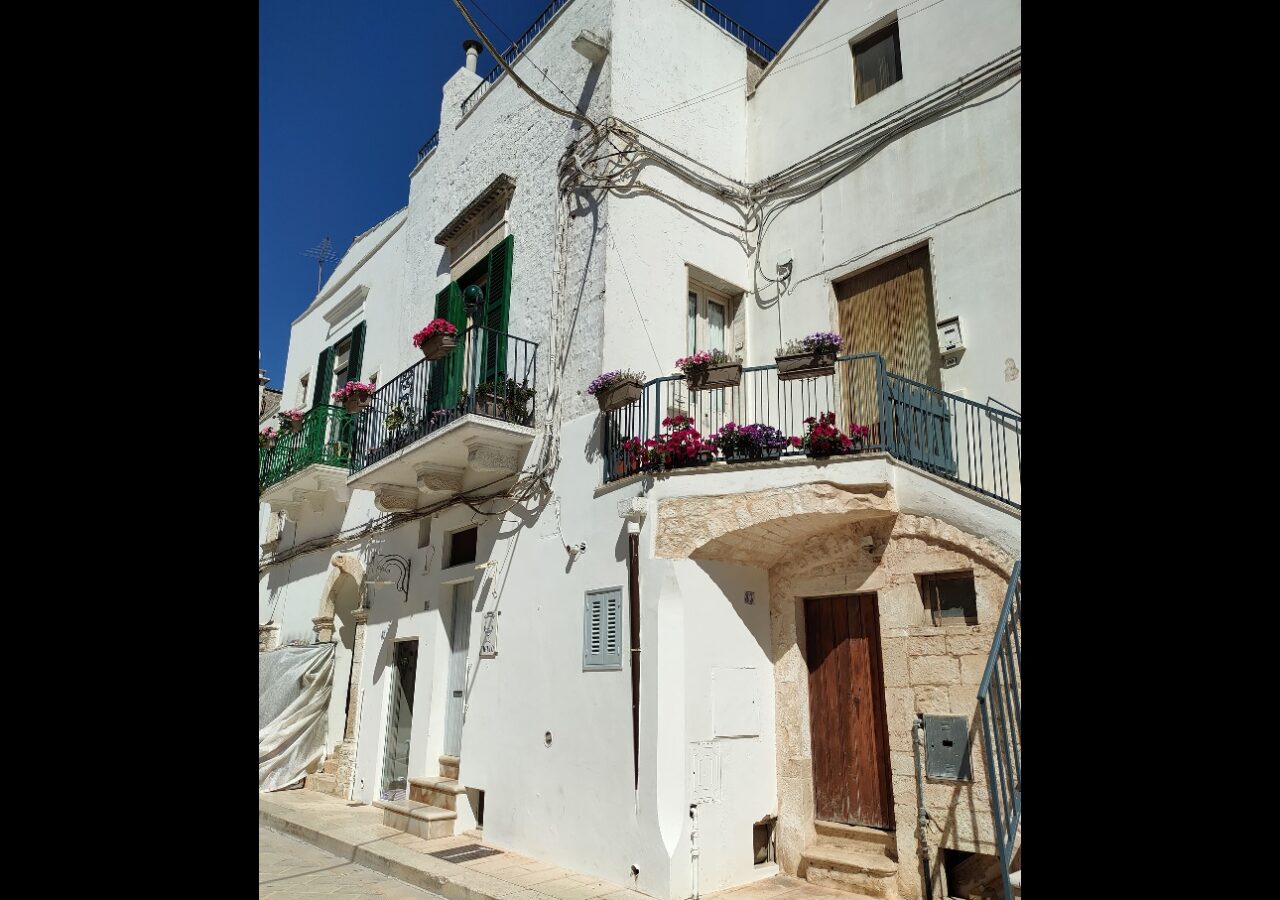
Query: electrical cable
[(574, 114), (526, 56)]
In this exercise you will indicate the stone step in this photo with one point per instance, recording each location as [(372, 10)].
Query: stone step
[(441, 792), (857, 837), (449, 766), (325, 784), (418, 819), (847, 869), (330, 766)]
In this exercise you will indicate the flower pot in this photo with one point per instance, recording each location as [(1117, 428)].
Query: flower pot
[(721, 376), (268, 443), (489, 405), (806, 365), (618, 395), (755, 454), (293, 426), (702, 459), (356, 402), (438, 346)]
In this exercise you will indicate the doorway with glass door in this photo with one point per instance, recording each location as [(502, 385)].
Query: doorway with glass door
[(395, 754), (459, 640)]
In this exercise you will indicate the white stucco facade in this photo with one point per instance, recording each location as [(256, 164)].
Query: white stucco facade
[(599, 281)]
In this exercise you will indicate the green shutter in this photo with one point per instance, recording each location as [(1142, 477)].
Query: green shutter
[(497, 310), (446, 374), (324, 375), (356, 357)]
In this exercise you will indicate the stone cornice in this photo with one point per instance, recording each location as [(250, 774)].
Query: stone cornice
[(497, 191)]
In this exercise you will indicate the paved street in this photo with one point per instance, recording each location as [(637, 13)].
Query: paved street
[(291, 868)]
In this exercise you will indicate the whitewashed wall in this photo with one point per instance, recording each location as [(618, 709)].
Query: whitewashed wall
[(896, 200)]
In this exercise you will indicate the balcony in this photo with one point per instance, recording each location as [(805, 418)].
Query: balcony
[(976, 446), (448, 425), (305, 468)]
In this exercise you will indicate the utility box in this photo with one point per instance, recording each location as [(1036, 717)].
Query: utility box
[(948, 751), (950, 341)]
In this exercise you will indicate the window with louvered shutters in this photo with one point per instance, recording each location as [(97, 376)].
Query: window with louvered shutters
[(445, 375), (497, 307), (356, 358), (602, 630), (324, 375)]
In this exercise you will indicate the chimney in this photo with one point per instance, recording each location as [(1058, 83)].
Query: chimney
[(473, 48)]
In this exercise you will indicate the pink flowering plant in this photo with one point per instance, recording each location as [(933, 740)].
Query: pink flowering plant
[(823, 438), (679, 443), (267, 436), (609, 379), (290, 420), (703, 360), (434, 327), (354, 389)]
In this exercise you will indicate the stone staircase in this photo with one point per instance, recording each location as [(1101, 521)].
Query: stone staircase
[(334, 777), (431, 810), (862, 861)]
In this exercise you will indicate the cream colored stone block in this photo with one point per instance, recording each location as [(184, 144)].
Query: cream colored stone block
[(934, 670), (902, 763), (971, 669), (933, 645), (964, 702), (932, 699), (900, 607), (899, 707), (968, 642), (893, 654)]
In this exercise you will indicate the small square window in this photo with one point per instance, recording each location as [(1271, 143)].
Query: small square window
[(877, 63), (462, 548), (950, 598)]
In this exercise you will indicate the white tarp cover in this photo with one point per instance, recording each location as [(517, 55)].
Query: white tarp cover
[(294, 684)]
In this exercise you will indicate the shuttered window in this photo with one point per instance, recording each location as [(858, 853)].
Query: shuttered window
[(602, 630), (348, 369)]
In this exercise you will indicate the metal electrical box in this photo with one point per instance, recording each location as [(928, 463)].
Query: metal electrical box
[(950, 341), (948, 751)]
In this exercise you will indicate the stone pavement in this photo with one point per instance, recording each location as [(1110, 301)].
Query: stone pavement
[(292, 869), (355, 833)]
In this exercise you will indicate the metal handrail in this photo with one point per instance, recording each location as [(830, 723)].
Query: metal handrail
[(431, 144), (488, 373), (753, 43), (977, 446), (324, 439), (1000, 702)]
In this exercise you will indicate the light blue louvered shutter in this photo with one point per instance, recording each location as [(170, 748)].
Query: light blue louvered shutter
[(602, 629)]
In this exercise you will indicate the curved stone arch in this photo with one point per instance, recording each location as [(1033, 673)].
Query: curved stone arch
[(341, 564), (756, 527)]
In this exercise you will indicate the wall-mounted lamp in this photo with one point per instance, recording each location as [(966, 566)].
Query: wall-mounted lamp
[(473, 300)]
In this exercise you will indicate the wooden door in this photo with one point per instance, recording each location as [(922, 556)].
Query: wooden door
[(851, 779)]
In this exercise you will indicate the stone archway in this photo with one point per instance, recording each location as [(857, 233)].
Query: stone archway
[(825, 538), (346, 570)]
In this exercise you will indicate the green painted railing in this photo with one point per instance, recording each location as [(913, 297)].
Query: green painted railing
[(324, 439)]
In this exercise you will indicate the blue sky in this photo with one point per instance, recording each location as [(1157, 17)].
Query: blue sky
[(347, 92)]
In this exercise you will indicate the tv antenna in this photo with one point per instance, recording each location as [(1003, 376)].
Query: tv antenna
[(322, 253)]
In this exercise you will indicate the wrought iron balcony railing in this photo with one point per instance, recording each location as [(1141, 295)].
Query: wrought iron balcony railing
[(1000, 702), (489, 373), (324, 439), (969, 443)]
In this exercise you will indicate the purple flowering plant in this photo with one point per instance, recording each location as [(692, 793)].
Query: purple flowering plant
[(609, 379), (757, 439), (818, 342)]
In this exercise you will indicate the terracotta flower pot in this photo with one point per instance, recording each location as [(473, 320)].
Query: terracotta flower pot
[(293, 426), (806, 365), (618, 395), (438, 346), (356, 402), (269, 442), (721, 376)]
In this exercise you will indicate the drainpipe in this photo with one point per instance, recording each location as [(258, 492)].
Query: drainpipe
[(693, 846), (922, 816)]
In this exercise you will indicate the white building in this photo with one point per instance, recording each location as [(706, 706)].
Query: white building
[(589, 661)]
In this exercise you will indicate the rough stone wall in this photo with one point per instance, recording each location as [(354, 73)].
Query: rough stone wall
[(926, 669)]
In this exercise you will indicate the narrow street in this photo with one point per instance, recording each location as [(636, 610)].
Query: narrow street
[(291, 868)]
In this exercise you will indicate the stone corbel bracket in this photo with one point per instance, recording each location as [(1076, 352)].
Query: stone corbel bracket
[(487, 455), (437, 479), (394, 498), (633, 509), (290, 509)]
